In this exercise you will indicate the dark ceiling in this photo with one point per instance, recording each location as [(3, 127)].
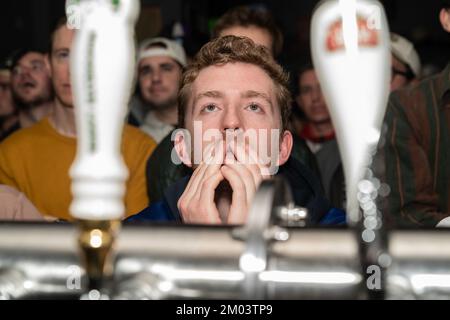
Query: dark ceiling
[(28, 22)]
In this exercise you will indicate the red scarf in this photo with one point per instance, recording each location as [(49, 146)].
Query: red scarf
[(307, 134)]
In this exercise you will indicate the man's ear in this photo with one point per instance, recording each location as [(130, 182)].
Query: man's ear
[(444, 17), (182, 143), (286, 144)]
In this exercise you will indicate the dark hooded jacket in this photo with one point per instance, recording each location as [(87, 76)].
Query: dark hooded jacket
[(306, 191)]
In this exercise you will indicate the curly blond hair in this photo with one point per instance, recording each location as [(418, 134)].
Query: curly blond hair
[(232, 49)]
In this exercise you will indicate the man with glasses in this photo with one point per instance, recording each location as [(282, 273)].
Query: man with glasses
[(31, 86), (406, 67)]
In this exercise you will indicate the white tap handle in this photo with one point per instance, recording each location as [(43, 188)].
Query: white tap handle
[(102, 70), (444, 223), (350, 49)]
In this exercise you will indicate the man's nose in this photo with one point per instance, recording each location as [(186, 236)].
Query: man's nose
[(317, 93), (231, 120), (25, 75), (156, 76)]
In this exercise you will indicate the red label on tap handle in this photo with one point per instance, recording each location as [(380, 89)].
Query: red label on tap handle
[(367, 35)]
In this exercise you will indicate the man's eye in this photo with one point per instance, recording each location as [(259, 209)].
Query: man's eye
[(62, 56), (167, 68), (254, 107), (144, 72), (209, 108), (306, 90), (38, 66)]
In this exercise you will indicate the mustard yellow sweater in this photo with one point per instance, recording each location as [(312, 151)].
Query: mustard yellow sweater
[(37, 160)]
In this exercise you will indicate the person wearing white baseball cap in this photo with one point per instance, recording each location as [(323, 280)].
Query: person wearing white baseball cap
[(406, 66), (160, 66)]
